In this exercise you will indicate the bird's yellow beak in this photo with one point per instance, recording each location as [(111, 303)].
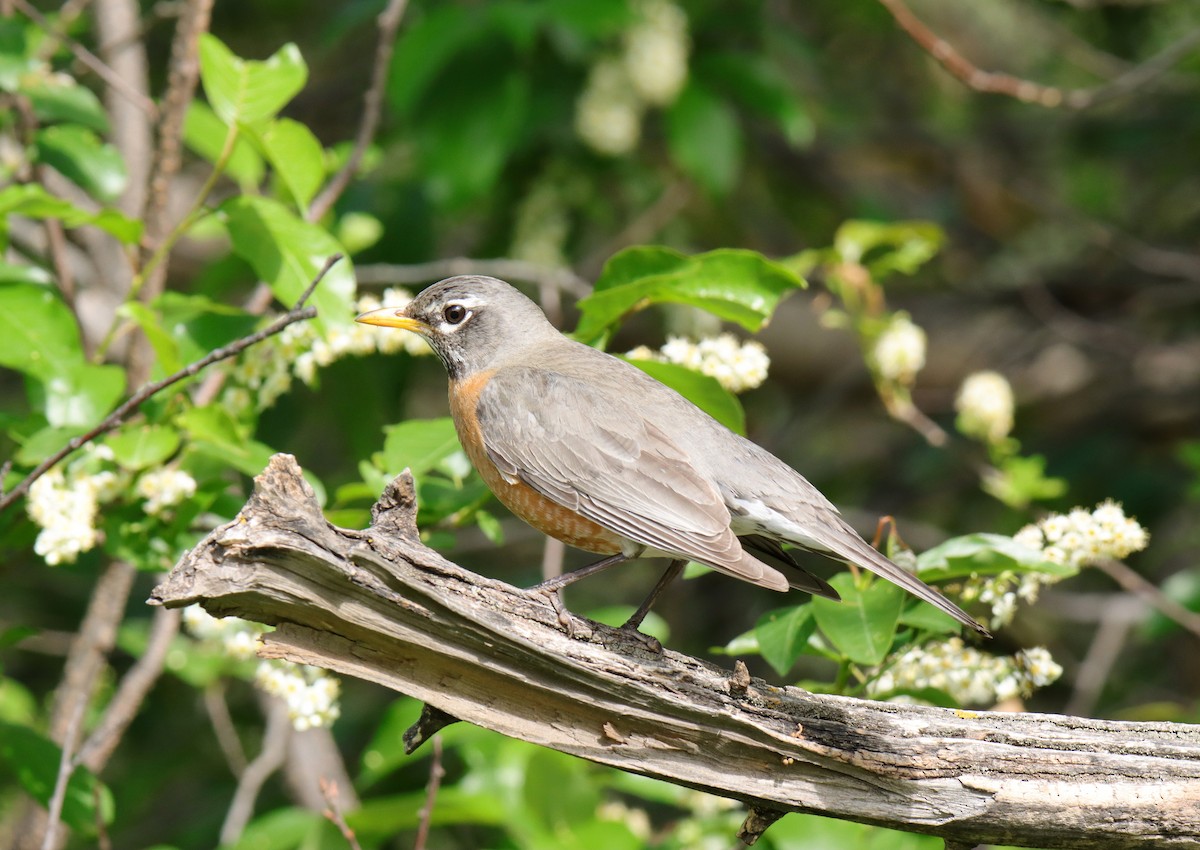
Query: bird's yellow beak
[(390, 317)]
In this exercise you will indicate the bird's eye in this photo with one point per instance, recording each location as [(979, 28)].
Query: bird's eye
[(454, 313)]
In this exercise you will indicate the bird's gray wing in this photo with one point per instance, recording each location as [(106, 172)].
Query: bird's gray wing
[(605, 461)]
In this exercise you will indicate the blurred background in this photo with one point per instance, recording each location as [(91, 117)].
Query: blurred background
[(1066, 257)]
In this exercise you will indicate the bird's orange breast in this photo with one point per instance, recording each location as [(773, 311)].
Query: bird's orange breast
[(545, 515)]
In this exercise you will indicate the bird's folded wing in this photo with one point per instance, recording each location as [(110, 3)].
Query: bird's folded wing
[(606, 462)]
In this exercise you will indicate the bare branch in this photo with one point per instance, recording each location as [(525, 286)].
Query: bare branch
[(388, 274), (298, 313), (134, 687), (436, 772), (389, 22), (378, 605), (1134, 583), (333, 812), (269, 760), (991, 82)]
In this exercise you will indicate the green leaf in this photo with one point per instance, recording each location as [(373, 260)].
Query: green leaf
[(11, 273), (490, 526), (205, 133), (38, 334), (213, 431), (33, 201), (296, 156), (55, 100), (32, 760), (984, 554), (280, 829), (287, 252), (244, 91), (863, 625), (886, 247), (80, 395), (705, 139), (758, 85), (83, 158), (166, 349), (701, 390), (141, 447), (1023, 480), (782, 635), (45, 442), (734, 284), (926, 618), (417, 445)]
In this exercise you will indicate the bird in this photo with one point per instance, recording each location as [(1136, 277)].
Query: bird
[(591, 450)]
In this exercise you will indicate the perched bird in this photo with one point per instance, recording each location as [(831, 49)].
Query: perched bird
[(593, 451)]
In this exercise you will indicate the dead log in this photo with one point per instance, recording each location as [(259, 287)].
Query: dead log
[(379, 605)]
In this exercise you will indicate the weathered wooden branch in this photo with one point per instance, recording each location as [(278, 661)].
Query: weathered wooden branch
[(379, 605)]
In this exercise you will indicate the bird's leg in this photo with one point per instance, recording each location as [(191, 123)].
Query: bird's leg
[(552, 586), (672, 572)]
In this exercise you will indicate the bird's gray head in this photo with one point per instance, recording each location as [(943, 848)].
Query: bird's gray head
[(470, 321)]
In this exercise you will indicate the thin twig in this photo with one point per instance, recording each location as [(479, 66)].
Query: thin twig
[(182, 76), (991, 82), (436, 772), (91, 61), (124, 706), (386, 273), (1134, 583), (1106, 646), (222, 724), (333, 812), (250, 783), (389, 22), (296, 314), (66, 767)]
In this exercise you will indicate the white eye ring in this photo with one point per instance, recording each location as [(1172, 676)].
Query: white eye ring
[(455, 314)]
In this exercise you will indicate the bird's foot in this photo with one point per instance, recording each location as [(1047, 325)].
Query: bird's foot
[(565, 618), (630, 630)]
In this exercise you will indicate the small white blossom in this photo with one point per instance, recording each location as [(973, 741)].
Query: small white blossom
[(66, 512), (608, 114), (656, 52), (900, 350), (985, 406), (968, 675), (736, 366), (311, 693), (1083, 537), (203, 625), (164, 488)]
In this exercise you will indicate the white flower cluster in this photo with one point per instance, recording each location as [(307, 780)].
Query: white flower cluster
[(737, 366), (985, 406), (1083, 537), (237, 638), (66, 511), (656, 52), (1003, 591), (162, 488), (311, 693), (651, 71), (969, 676), (899, 351), (265, 372)]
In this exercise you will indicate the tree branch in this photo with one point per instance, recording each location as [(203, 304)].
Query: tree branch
[(379, 605), (389, 22), (991, 82)]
